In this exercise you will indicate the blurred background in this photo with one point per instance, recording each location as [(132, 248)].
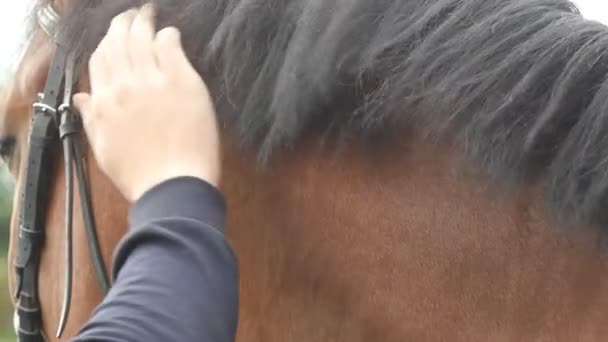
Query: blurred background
[(12, 14), (6, 190), (12, 18)]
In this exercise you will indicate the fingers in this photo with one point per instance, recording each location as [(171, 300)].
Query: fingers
[(99, 70), (132, 46), (115, 45), (83, 103), (170, 53), (141, 41)]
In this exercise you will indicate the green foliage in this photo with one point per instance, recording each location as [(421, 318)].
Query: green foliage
[(6, 308), (6, 196)]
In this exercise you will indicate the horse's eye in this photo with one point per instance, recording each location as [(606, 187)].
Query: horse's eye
[(7, 146)]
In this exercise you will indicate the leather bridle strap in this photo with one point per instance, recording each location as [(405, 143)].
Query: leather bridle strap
[(43, 132), (51, 124), (70, 127)]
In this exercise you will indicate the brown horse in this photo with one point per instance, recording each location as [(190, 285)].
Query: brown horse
[(387, 166)]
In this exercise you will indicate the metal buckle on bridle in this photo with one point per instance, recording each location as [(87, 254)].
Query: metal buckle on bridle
[(48, 19), (41, 106)]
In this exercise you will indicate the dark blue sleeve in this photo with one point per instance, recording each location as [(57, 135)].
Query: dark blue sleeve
[(176, 277)]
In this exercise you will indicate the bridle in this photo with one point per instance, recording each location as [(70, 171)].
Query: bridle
[(54, 123)]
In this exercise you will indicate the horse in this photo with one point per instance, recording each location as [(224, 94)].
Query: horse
[(394, 170)]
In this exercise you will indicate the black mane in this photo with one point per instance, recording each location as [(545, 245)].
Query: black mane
[(520, 84)]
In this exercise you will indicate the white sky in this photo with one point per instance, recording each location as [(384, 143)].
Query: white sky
[(594, 9), (12, 13)]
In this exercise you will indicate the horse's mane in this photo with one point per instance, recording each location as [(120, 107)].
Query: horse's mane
[(520, 84)]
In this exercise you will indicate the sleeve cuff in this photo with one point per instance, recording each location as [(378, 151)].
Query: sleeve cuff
[(186, 197)]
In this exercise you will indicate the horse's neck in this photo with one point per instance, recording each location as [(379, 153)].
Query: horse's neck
[(399, 247)]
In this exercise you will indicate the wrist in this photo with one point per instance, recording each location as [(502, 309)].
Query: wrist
[(149, 181), (180, 196)]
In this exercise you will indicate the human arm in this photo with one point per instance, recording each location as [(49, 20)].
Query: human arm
[(152, 128), (175, 275)]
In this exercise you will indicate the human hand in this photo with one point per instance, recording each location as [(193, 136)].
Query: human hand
[(149, 115)]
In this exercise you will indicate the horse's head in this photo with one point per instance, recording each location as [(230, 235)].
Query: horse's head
[(383, 241), (16, 114)]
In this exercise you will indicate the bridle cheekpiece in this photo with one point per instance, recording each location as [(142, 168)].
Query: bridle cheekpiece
[(54, 123)]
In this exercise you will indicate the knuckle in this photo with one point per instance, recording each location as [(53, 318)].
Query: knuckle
[(121, 18), (166, 35), (116, 22), (124, 83), (120, 21), (122, 91), (158, 79)]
